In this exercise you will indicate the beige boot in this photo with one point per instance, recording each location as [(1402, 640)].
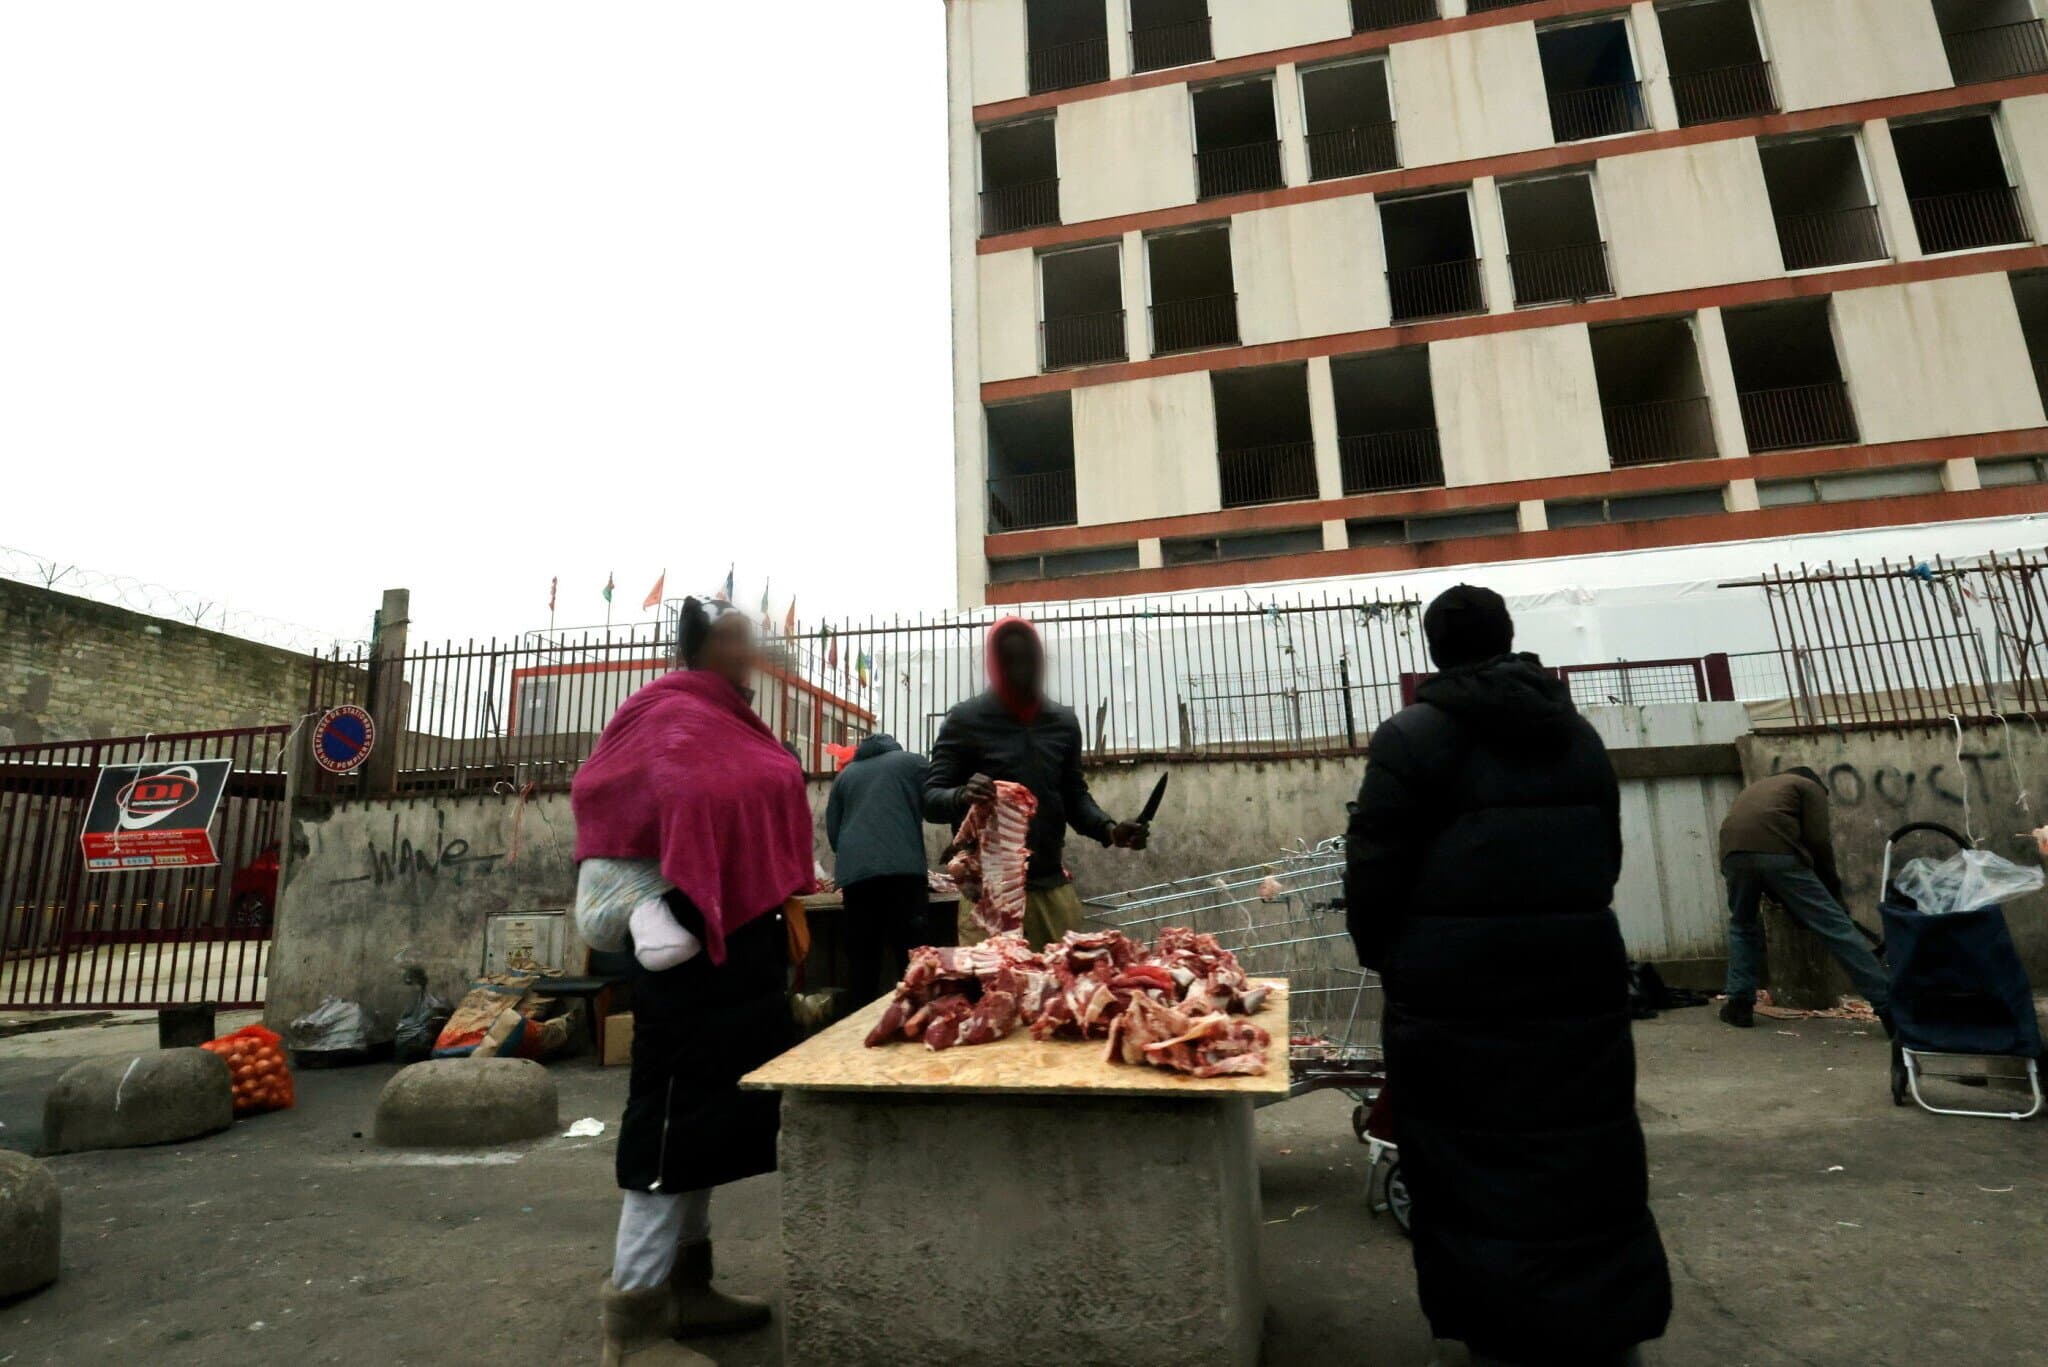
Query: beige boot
[(700, 1309), (637, 1327)]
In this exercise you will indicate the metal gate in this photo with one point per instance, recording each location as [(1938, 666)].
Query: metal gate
[(71, 939)]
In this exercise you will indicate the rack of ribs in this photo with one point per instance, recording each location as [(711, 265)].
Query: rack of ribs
[(991, 859)]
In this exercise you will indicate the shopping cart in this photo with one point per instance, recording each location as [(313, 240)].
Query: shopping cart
[(1285, 919), (1958, 992)]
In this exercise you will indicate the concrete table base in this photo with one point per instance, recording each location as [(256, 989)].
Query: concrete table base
[(922, 1227)]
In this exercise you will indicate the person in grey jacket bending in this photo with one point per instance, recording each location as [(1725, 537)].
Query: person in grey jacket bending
[(874, 821)]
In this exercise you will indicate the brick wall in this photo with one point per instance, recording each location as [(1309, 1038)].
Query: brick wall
[(73, 669)]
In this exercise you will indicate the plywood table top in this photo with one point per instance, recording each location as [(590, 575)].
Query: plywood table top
[(838, 1060)]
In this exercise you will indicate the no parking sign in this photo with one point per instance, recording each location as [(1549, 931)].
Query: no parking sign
[(342, 738)]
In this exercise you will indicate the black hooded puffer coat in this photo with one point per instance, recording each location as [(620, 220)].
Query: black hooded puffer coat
[(1482, 861)]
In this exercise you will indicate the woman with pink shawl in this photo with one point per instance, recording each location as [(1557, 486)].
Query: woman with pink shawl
[(688, 791)]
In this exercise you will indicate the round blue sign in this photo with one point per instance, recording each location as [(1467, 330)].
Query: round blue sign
[(343, 737)]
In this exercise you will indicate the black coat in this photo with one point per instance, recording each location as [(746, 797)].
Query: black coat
[(1482, 861), (874, 819), (698, 1028), (981, 736)]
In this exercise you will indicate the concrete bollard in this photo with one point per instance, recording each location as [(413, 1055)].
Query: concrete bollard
[(30, 1221), (126, 1101), (467, 1103)]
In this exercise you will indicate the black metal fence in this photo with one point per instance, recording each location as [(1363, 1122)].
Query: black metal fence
[(1239, 169), (1165, 45), (1367, 15), (1309, 676), (1059, 66), (1798, 415), (1278, 473), (1997, 53), (1727, 92), (1834, 237), (1355, 151), (1911, 643), (1974, 218), (1084, 339), (1560, 275), (1663, 430), (1018, 503), (1378, 462), (1438, 290), (1192, 324), (1012, 208), (1598, 111)]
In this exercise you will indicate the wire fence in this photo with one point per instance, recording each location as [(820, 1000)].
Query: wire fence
[(1309, 677)]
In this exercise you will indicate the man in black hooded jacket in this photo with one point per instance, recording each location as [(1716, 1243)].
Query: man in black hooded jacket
[(1483, 853)]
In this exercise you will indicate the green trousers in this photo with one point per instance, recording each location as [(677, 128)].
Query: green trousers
[(1049, 913)]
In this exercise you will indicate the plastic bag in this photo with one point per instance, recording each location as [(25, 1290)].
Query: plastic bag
[(256, 1064), (331, 1026), (1966, 881), (607, 890), (422, 1022)]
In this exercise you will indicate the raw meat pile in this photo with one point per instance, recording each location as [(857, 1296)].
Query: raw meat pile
[(990, 859), (1178, 1004)]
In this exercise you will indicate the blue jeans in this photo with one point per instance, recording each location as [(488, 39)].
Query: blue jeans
[(1799, 890)]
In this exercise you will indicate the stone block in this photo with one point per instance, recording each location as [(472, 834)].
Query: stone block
[(466, 1103), (30, 1218), (1038, 1223), (129, 1100)]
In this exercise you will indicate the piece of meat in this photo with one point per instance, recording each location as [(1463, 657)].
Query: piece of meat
[(991, 858)]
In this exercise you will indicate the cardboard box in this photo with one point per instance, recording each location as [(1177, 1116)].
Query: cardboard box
[(618, 1039)]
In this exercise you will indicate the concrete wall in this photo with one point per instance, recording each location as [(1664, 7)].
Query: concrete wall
[(1881, 780), (1936, 358), (1687, 217), (1841, 51), (2026, 131), (1309, 270), (1473, 94), (73, 669), (373, 886), (1001, 49), (1121, 154), (1145, 448), (1238, 28), (1008, 283), (1518, 405)]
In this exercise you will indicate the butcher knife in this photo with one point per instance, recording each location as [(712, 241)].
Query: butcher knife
[(1152, 802)]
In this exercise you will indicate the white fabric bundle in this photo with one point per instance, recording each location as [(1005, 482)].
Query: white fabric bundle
[(607, 893)]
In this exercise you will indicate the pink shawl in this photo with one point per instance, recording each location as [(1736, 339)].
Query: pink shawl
[(686, 773)]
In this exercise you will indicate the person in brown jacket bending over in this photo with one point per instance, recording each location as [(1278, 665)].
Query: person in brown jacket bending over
[(1776, 839)]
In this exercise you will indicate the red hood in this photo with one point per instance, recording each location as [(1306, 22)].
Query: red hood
[(1023, 711)]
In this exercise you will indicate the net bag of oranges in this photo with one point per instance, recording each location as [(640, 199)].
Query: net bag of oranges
[(255, 1059)]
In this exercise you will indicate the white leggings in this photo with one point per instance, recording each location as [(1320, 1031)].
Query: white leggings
[(652, 1225)]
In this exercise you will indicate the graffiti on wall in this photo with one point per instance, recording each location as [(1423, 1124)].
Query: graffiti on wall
[(398, 861)]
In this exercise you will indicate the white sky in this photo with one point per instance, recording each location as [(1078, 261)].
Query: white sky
[(302, 302)]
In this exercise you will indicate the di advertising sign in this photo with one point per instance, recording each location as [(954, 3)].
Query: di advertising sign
[(154, 816)]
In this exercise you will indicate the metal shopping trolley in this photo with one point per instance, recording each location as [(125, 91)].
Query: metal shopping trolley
[(1958, 992), (1286, 919)]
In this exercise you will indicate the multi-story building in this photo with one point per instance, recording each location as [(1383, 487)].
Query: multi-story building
[(1250, 290)]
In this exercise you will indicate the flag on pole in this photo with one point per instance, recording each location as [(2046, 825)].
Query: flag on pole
[(767, 622), (553, 584), (608, 578), (725, 593), (831, 650), (789, 619), (861, 665), (654, 594)]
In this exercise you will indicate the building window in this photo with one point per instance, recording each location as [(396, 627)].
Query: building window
[(1194, 294), (1069, 43), (1237, 138), (2030, 294), (1991, 40), (1082, 294), (1821, 201), (1200, 550), (1849, 488), (1031, 464), (1432, 256), (1020, 176), (1486, 6), (1370, 15), (1556, 254), (1386, 421), (1349, 117), (1634, 508), (1999, 474), (1412, 531), (1716, 62), (1652, 396), (1265, 447), (1168, 33), (1589, 71), (1787, 377), (1956, 181), (1064, 564)]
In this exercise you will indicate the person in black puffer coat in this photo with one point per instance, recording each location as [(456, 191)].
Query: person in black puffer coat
[(1482, 857)]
